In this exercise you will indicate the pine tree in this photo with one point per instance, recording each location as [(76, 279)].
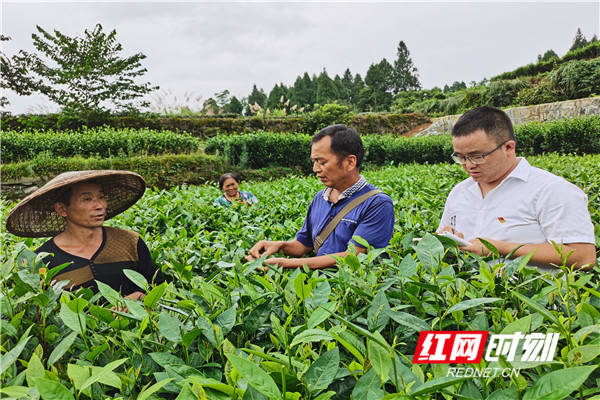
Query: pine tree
[(326, 89), (234, 107), (405, 75), (579, 41), (357, 85), (548, 55), (380, 84), (343, 94)]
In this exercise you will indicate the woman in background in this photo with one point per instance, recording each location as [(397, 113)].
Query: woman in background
[(229, 185)]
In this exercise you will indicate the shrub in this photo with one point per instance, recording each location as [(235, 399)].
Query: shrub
[(590, 51), (540, 93), (577, 136), (105, 141), (326, 115), (576, 79), (258, 150), (502, 93), (206, 127), (574, 136), (160, 171)]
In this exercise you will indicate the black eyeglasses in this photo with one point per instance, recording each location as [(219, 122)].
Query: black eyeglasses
[(478, 159)]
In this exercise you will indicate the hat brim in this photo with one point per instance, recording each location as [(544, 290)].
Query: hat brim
[(34, 216)]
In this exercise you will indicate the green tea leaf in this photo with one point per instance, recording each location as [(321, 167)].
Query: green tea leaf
[(110, 294), (408, 267), (320, 314), (380, 359), (536, 307), (409, 320), (378, 313), (435, 385), (467, 304), (584, 354), (311, 335), (558, 384), (429, 251), (155, 295), (137, 278), (168, 327), (34, 370), (102, 373), (52, 390), (75, 321), (522, 325), (322, 372), (7, 360), (505, 394), (226, 320), (368, 387), (146, 393), (255, 376), (62, 348)]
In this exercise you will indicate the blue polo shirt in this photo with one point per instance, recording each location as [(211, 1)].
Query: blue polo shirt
[(373, 220)]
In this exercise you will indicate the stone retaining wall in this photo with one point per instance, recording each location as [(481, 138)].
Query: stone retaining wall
[(521, 115)]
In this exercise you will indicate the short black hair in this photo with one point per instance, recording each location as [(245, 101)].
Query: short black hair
[(493, 121), (344, 141), (65, 196), (226, 176)]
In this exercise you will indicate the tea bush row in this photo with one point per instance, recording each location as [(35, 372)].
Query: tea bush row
[(577, 136), (590, 51), (104, 141), (164, 171), (221, 329), (205, 127), (572, 80)]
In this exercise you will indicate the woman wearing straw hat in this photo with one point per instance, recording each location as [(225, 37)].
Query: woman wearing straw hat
[(72, 208)]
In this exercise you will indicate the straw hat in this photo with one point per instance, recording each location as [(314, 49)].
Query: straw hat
[(34, 216)]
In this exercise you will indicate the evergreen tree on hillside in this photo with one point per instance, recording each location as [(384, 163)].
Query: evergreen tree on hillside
[(456, 86), (234, 107), (256, 97), (303, 95), (380, 84), (274, 101), (405, 75), (326, 89), (548, 55), (579, 41), (343, 93), (348, 82), (357, 85)]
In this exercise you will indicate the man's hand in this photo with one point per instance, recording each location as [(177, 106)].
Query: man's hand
[(450, 229), (136, 296), (264, 248), (279, 261), (477, 247)]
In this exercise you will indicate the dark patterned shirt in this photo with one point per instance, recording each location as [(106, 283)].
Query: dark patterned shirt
[(120, 249)]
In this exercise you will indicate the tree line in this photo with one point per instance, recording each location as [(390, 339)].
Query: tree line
[(89, 76)]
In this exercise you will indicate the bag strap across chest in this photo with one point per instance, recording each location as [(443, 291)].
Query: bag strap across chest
[(330, 227)]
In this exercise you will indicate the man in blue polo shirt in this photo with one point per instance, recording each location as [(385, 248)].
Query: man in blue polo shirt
[(337, 153)]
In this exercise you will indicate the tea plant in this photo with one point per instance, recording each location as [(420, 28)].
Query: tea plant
[(223, 329)]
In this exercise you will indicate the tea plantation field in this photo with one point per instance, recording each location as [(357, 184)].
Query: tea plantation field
[(222, 329)]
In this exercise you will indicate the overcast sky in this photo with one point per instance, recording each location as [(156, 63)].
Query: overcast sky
[(202, 48)]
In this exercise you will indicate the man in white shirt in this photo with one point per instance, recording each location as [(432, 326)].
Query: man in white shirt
[(508, 202)]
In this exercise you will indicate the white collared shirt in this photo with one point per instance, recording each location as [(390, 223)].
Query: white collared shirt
[(530, 206)]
